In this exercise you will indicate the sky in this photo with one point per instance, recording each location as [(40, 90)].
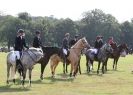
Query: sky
[(122, 10)]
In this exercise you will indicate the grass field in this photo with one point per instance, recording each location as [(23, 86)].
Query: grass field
[(118, 82)]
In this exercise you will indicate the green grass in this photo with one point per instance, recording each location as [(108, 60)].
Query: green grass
[(118, 82)]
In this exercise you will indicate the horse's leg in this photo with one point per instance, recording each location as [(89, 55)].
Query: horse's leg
[(30, 72), (75, 69), (79, 68), (13, 71), (8, 72), (52, 67), (66, 68), (98, 67), (71, 70), (55, 68), (90, 65), (87, 64), (24, 76), (64, 64), (43, 65), (106, 64), (116, 63), (103, 65)]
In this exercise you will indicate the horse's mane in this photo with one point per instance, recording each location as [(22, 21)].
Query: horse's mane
[(76, 43)]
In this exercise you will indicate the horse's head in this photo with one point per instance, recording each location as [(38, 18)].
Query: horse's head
[(107, 48), (36, 52), (123, 49), (84, 43)]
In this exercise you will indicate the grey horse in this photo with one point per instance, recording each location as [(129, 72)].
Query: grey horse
[(29, 58), (101, 57)]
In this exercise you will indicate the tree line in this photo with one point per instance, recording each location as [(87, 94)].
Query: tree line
[(94, 22)]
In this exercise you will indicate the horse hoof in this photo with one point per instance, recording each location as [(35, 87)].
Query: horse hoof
[(70, 74), (97, 72), (52, 76), (14, 81), (7, 82), (41, 78)]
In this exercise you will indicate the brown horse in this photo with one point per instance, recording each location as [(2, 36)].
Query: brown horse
[(117, 52), (73, 57)]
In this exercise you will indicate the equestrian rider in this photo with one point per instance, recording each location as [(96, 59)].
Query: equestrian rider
[(111, 41), (98, 42), (20, 44), (65, 46), (73, 41), (37, 40)]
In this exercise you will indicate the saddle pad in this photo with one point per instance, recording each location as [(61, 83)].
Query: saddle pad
[(65, 51), (15, 54), (93, 50)]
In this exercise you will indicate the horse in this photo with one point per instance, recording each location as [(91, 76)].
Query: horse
[(28, 59), (48, 52), (120, 50), (73, 57), (100, 57), (65, 66)]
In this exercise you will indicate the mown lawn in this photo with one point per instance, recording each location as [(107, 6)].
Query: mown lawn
[(118, 82)]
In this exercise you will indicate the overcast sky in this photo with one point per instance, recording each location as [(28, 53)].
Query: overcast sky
[(121, 9)]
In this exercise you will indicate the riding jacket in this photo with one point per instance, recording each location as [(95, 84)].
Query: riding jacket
[(20, 43), (65, 43), (37, 42), (98, 44)]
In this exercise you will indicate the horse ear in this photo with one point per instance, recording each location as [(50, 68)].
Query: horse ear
[(83, 38)]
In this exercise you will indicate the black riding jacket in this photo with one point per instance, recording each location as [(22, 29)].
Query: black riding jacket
[(37, 42), (19, 43)]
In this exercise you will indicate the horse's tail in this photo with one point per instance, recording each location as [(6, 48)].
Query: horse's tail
[(54, 60)]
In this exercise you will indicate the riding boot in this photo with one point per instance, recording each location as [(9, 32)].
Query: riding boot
[(19, 65)]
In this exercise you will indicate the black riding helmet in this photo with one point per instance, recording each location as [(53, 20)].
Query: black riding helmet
[(37, 32), (20, 31)]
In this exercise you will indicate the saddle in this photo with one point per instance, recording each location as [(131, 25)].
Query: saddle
[(94, 52)]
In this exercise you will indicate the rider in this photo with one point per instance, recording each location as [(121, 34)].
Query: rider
[(19, 45), (73, 41), (37, 40), (65, 46), (98, 43), (111, 40)]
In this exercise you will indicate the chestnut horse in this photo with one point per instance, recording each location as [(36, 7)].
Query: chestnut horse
[(73, 57)]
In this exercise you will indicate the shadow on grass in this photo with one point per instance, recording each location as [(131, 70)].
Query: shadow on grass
[(62, 78), (8, 88), (94, 73), (116, 70)]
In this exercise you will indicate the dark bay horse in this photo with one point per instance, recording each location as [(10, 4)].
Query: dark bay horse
[(118, 51), (73, 57), (48, 52), (101, 57)]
